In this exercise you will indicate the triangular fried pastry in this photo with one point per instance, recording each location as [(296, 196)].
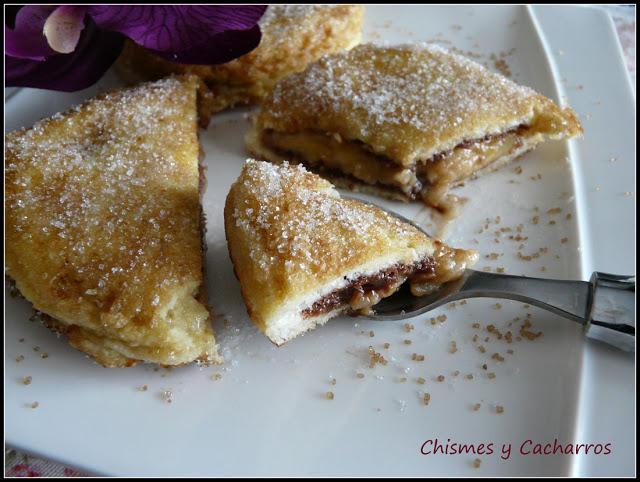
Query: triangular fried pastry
[(104, 226), (406, 122), (292, 37), (304, 255)]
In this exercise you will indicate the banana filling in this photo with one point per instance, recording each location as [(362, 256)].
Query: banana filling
[(429, 179)]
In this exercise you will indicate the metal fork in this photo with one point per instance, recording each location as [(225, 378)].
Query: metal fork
[(605, 305)]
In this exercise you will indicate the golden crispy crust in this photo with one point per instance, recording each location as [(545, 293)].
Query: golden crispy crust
[(103, 225), (292, 37), (292, 238), (408, 102)]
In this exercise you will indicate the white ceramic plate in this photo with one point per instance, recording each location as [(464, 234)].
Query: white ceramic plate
[(268, 415)]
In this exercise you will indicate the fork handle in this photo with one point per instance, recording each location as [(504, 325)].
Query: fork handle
[(611, 312), (605, 305)]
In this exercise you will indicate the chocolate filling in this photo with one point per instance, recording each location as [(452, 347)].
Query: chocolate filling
[(367, 290)]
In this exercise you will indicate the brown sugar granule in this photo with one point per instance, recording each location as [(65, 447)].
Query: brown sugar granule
[(491, 328), (407, 327), (475, 338), (491, 375), (553, 211), (487, 339), (492, 256), (475, 325), (44, 355), (526, 333), (502, 66), (453, 347), (26, 380), (386, 345), (333, 381), (564, 240), (36, 348), (407, 342), (216, 376), (476, 463), (426, 398), (375, 358), (416, 357), (360, 375), (500, 270), (497, 357), (456, 373), (442, 318), (499, 409), (518, 170), (482, 349), (420, 380), (371, 334), (484, 366), (440, 378), (535, 220), (524, 257), (497, 306), (143, 388), (402, 379), (19, 358), (476, 407), (552, 222), (508, 336), (433, 321), (35, 405), (329, 395), (568, 216), (469, 376)]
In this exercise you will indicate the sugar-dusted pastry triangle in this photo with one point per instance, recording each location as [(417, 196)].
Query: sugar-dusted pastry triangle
[(304, 255), (292, 37), (406, 122), (104, 225)]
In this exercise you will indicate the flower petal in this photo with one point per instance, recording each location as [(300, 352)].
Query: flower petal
[(93, 56), (220, 49), (63, 28), (26, 40), (199, 34)]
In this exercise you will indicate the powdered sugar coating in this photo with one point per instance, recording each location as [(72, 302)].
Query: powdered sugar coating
[(295, 225), (403, 101), (103, 219), (276, 13)]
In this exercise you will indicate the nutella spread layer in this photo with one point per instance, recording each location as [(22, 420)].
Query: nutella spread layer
[(365, 291)]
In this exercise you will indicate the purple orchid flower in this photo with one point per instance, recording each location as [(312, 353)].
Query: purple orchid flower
[(69, 47)]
